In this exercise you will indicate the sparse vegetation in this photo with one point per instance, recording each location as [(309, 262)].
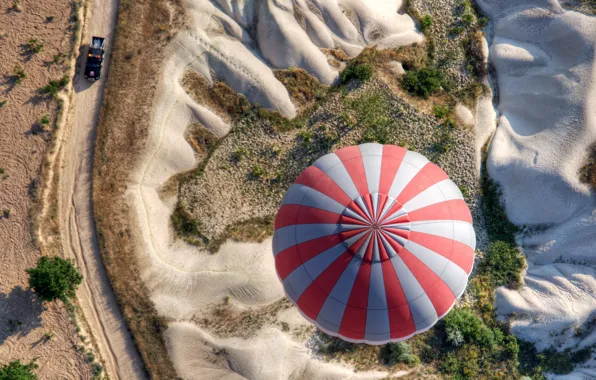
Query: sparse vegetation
[(257, 171), (503, 264), (425, 23), (399, 352), (16, 6), (303, 88), (54, 278), (117, 150), (19, 74), (54, 86), (34, 46), (48, 335), (44, 120)]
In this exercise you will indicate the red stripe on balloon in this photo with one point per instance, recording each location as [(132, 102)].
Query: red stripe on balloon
[(353, 322), (352, 161), (344, 219), (392, 159), (401, 322), (455, 209), (356, 208), (425, 178), (312, 299), (315, 178), (351, 233), (295, 214), (369, 247), (291, 258), (456, 252), (437, 291), (286, 216)]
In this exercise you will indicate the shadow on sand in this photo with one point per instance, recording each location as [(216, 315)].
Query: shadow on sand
[(20, 313)]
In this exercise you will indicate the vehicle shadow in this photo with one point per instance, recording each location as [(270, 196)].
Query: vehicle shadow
[(20, 313), (80, 83)]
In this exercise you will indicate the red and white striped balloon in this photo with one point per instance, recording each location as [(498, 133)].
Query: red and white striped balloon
[(374, 243)]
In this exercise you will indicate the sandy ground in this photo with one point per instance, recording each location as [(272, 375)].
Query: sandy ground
[(184, 280), (95, 296), (544, 57), (23, 144)]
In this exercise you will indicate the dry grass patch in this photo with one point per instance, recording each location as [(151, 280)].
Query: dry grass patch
[(303, 88), (219, 97), (224, 321), (587, 173), (201, 139), (120, 137)]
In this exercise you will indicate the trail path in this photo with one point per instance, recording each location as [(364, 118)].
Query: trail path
[(95, 296)]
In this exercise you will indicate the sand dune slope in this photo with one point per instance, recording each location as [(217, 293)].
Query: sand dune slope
[(546, 70), (271, 355), (239, 42)]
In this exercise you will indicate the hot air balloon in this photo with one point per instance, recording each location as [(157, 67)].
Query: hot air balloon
[(373, 243)]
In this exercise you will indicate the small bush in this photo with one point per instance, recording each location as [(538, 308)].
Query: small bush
[(463, 364), (54, 86), (6, 213), (239, 154), (471, 328), (16, 6), (45, 120), (19, 74), (424, 82), (3, 102), (426, 23), (257, 171), (54, 278), (399, 352), (441, 111), (34, 46), (49, 18), (361, 72), (17, 371)]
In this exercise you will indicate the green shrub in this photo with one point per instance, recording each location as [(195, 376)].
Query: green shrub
[(45, 120), (19, 74), (558, 363), (34, 46), (424, 82), (441, 111), (426, 23), (361, 72), (17, 371), (463, 364), (54, 86), (399, 352), (504, 263), (498, 225), (470, 326), (54, 278), (257, 171)]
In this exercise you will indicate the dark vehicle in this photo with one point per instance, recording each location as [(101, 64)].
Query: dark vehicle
[(95, 58)]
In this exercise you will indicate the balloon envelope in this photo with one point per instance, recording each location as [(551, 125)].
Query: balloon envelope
[(373, 243)]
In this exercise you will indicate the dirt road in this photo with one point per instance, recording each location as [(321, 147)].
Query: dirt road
[(95, 296)]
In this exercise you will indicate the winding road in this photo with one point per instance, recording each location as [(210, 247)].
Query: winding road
[(95, 296)]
